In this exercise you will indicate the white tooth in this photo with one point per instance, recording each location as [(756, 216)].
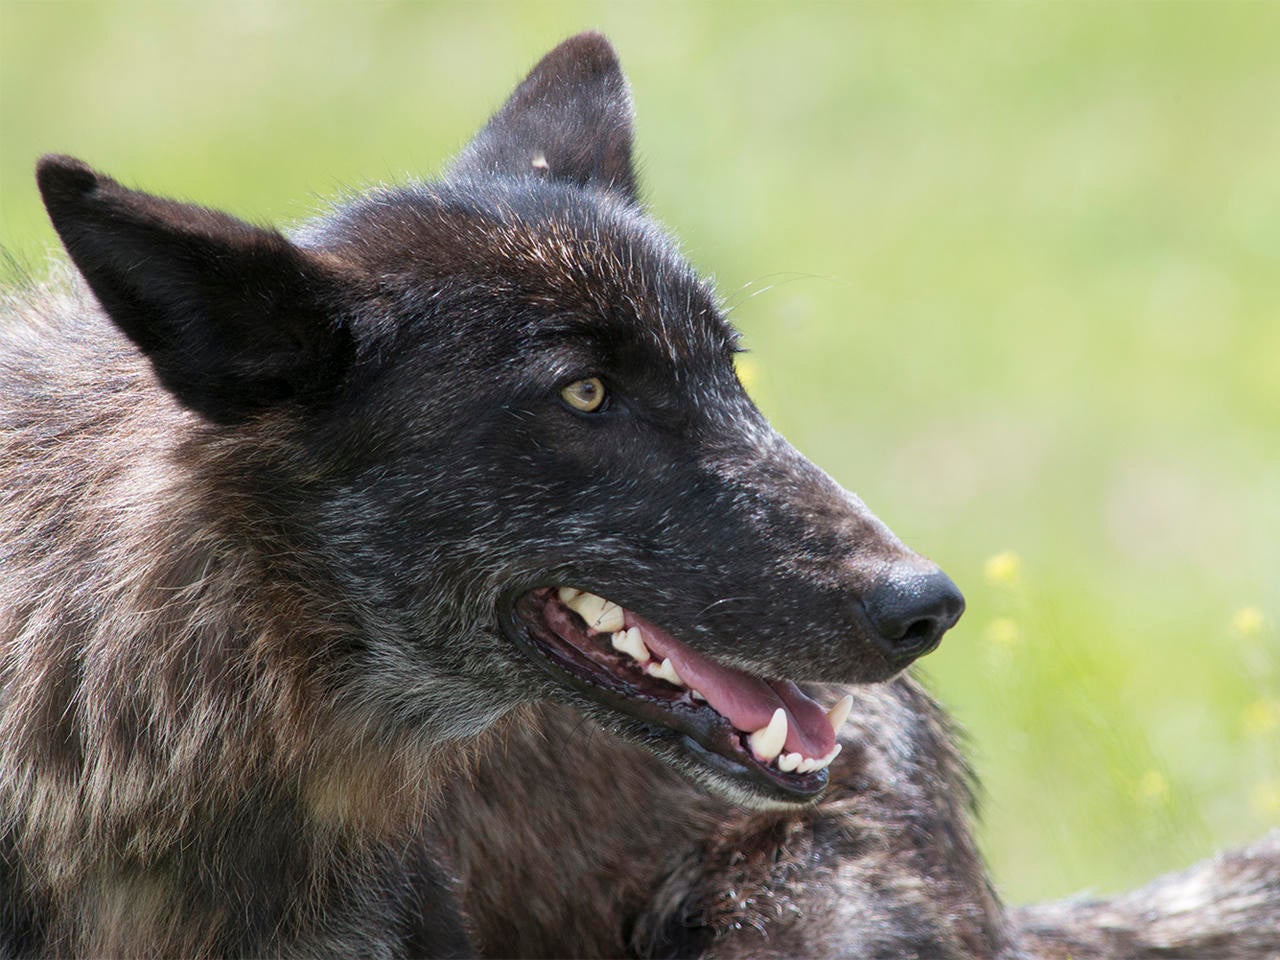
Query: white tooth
[(840, 712), (788, 762), (665, 671), (600, 614), (567, 594), (629, 642), (697, 695), (588, 606), (609, 619), (806, 765), (826, 761), (766, 743)]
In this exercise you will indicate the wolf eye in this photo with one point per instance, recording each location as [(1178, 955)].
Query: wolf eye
[(585, 395)]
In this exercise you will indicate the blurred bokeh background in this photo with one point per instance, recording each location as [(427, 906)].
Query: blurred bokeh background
[(1009, 271)]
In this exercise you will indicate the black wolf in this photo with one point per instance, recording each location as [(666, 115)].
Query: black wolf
[(289, 522), (302, 535)]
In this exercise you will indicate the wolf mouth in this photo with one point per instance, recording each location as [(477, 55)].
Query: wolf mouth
[(749, 727)]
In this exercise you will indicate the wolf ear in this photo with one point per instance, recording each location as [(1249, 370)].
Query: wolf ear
[(234, 318), (570, 120)]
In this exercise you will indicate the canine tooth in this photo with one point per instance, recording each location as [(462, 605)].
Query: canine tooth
[(629, 642), (840, 712), (610, 618), (666, 671), (567, 595), (766, 743), (788, 762)]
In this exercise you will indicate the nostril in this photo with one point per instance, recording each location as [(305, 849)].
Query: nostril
[(919, 632), (911, 611)]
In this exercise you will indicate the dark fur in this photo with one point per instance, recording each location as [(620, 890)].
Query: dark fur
[(266, 503), (614, 855)]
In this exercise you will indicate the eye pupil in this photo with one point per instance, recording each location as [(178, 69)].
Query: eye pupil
[(585, 395)]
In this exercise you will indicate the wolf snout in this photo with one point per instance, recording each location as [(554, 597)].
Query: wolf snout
[(911, 609)]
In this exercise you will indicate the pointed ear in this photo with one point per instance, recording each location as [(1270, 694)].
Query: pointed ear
[(570, 120), (234, 318)]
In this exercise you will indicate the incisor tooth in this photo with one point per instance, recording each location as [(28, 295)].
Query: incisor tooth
[(766, 743), (665, 671), (798, 763), (840, 712), (630, 643), (826, 761)]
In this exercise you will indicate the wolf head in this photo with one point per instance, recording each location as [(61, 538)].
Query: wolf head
[(504, 418)]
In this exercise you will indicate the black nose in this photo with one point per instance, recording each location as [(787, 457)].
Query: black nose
[(911, 611)]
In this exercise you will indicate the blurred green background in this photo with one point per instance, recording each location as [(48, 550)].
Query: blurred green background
[(1009, 271)]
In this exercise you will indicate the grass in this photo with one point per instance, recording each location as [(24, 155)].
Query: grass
[(1007, 270)]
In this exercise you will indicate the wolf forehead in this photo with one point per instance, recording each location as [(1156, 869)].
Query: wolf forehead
[(534, 261)]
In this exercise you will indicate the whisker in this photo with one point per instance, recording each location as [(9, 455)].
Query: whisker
[(715, 603), (781, 278)]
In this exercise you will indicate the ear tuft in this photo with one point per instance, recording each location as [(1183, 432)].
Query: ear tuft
[(570, 120), (60, 176), (584, 58)]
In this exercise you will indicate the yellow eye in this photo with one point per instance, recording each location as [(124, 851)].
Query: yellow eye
[(585, 395)]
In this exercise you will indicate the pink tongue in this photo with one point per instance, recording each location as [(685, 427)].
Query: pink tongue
[(748, 702)]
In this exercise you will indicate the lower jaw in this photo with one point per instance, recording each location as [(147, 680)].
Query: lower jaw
[(744, 786)]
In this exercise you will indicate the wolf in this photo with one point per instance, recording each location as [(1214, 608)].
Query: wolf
[(294, 527), (422, 582)]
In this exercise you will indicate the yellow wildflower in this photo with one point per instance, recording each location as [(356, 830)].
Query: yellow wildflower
[(1004, 569), (1260, 717), (1248, 621), (748, 372)]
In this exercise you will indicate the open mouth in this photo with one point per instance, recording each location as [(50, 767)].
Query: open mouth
[(765, 731)]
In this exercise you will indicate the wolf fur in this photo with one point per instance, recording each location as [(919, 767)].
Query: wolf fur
[(884, 866), (267, 505)]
